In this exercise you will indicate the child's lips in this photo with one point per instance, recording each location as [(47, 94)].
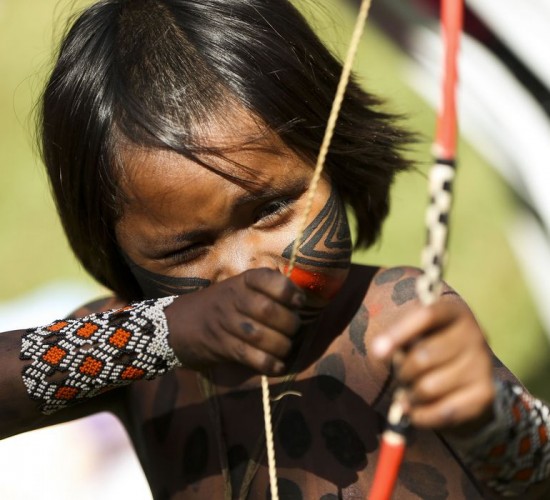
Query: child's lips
[(319, 284)]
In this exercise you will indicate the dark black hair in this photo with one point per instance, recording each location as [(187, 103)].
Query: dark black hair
[(149, 72)]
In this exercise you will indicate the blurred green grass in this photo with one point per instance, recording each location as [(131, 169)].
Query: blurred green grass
[(34, 250), (482, 267)]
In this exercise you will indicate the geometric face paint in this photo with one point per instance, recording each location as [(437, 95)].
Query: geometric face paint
[(155, 285), (326, 244), (326, 241)]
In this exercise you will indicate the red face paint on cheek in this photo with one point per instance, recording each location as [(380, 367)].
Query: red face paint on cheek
[(320, 284)]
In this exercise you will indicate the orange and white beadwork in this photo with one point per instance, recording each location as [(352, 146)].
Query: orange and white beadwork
[(512, 452), (100, 351)]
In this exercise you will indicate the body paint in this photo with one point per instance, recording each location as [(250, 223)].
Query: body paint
[(321, 284), (154, 285), (326, 242)]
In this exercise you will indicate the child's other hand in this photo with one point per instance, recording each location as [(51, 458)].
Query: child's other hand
[(248, 319), (444, 364)]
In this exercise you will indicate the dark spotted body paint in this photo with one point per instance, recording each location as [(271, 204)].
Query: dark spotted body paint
[(164, 404), (389, 275), (331, 376), (325, 440), (358, 330), (288, 490), (403, 291), (294, 434), (237, 459), (423, 480), (344, 444), (195, 454)]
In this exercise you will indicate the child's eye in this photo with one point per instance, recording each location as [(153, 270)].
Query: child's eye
[(185, 254), (273, 211)]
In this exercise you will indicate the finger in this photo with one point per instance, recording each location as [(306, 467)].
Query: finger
[(412, 326), (276, 286), (460, 408), (259, 336), (266, 311), (257, 359), (430, 353), (445, 380)]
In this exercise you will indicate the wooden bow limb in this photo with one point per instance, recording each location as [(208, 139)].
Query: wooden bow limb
[(429, 284)]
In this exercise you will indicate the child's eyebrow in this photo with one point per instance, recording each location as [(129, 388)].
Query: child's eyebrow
[(259, 194), (160, 246), (185, 237), (272, 188)]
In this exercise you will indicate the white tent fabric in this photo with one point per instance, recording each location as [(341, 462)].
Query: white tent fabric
[(523, 26), (505, 123)]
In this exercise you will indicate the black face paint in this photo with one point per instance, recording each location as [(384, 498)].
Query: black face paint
[(155, 285), (327, 240)]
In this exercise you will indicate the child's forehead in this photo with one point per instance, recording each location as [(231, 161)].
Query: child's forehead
[(229, 142), (149, 175)]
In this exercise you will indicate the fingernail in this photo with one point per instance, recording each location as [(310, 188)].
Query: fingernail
[(381, 346), (405, 402), (299, 299), (278, 367)]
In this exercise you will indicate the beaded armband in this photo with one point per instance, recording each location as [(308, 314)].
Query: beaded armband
[(513, 451), (75, 359)]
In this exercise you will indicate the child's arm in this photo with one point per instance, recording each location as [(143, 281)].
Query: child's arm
[(248, 319), (442, 360), (18, 412)]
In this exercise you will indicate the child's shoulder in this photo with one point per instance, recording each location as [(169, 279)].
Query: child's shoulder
[(388, 292), (394, 284), (100, 305)]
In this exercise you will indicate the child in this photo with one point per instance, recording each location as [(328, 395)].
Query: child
[(179, 138)]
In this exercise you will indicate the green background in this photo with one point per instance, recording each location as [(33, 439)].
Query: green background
[(482, 267)]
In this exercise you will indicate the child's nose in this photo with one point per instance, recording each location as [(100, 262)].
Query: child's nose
[(239, 260)]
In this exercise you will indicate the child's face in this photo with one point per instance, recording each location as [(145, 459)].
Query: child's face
[(186, 227)]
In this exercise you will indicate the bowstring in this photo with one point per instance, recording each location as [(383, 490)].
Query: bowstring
[(310, 195)]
